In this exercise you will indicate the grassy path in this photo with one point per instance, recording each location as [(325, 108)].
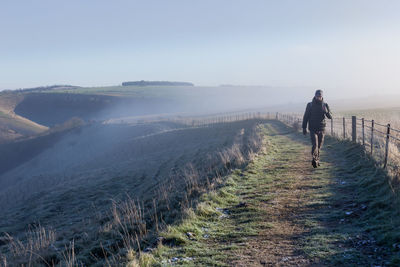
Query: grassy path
[(280, 211)]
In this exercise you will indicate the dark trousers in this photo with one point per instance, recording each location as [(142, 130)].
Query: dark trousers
[(317, 139)]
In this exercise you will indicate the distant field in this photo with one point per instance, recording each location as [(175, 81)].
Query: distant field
[(137, 91), (200, 99), (380, 115)]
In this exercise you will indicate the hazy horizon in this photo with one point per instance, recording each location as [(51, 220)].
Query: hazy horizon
[(348, 48)]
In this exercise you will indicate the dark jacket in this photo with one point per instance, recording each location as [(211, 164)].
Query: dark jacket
[(315, 115)]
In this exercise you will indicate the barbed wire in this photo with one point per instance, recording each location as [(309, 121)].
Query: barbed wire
[(393, 137), (376, 123), (392, 129)]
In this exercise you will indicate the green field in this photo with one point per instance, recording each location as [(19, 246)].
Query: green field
[(138, 91)]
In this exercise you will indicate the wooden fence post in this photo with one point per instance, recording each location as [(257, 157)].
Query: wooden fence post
[(354, 128), (372, 136), (387, 146), (363, 132), (344, 128)]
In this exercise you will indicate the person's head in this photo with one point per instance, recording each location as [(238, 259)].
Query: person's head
[(319, 95)]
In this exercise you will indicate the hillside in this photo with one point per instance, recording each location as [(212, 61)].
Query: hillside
[(81, 184), (26, 113), (12, 125), (63, 106), (52, 105)]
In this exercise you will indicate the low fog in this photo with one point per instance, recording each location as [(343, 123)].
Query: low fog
[(144, 103), (199, 101)]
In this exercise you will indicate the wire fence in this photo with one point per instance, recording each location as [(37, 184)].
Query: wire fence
[(198, 121), (381, 141), (211, 120)]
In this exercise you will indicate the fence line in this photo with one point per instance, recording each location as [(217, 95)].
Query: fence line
[(381, 141), (200, 121)]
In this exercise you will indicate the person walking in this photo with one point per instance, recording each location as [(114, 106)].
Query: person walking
[(316, 112)]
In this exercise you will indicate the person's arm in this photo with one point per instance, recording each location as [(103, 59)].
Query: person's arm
[(306, 117), (328, 112)]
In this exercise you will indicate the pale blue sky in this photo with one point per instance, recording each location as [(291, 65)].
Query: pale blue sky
[(343, 46)]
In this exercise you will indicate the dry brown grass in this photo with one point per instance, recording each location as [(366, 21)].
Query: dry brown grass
[(69, 255), (35, 248), (191, 178), (129, 220)]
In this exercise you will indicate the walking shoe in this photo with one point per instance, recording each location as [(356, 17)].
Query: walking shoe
[(318, 163), (314, 163)]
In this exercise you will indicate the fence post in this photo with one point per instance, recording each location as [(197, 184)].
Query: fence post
[(354, 128), (372, 136), (363, 132), (277, 115), (387, 146), (332, 126), (344, 128)]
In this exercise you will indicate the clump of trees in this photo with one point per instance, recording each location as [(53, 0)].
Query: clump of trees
[(156, 83)]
